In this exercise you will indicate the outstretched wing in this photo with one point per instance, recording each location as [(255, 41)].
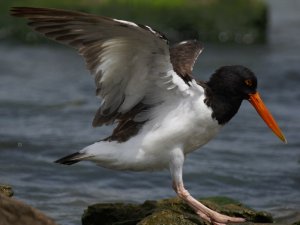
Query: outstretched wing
[(130, 63)]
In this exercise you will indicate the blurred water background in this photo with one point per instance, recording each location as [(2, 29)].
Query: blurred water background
[(47, 104)]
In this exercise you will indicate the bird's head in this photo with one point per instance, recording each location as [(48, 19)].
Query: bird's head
[(239, 83), (235, 82)]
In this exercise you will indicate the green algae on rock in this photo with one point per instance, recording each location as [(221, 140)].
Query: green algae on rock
[(167, 211), (231, 207), (166, 216), (121, 213), (6, 190)]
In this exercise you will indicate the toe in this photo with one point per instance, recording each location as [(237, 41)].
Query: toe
[(223, 219), (204, 216)]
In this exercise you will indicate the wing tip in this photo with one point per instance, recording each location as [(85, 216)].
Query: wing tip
[(21, 11), (15, 11), (71, 159)]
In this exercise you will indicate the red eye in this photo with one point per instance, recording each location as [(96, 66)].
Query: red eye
[(248, 82)]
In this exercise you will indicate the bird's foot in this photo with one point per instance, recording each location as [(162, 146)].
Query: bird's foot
[(216, 218), (204, 212)]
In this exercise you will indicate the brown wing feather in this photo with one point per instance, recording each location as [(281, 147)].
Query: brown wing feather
[(87, 33), (183, 57)]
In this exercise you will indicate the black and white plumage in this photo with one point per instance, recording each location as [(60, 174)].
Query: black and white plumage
[(162, 113)]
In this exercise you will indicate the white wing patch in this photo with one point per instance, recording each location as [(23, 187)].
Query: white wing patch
[(182, 86), (126, 22), (131, 75)]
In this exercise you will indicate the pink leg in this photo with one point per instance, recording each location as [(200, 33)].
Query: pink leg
[(203, 211), (176, 164)]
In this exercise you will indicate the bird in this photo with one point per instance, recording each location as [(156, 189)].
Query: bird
[(161, 112)]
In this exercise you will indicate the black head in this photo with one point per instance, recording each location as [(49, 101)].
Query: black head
[(233, 82), (226, 90)]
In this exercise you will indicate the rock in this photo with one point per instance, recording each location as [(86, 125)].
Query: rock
[(17, 213), (168, 212), (234, 208), (109, 213), (6, 190), (289, 217), (166, 216)]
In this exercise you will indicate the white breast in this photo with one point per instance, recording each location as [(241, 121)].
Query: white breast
[(188, 124)]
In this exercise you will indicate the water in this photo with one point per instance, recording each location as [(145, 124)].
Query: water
[(47, 104)]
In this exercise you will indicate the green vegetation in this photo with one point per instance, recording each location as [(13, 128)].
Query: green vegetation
[(241, 21)]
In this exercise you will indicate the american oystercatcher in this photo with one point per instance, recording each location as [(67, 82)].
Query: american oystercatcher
[(161, 112)]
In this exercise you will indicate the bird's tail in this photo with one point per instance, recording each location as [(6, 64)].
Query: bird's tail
[(72, 158), (105, 154)]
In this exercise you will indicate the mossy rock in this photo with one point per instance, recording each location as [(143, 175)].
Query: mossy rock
[(6, 190), (117, 213), (166, 216), (234, 208), (167, 211)]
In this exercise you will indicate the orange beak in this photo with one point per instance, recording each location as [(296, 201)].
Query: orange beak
[(262, 110)]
